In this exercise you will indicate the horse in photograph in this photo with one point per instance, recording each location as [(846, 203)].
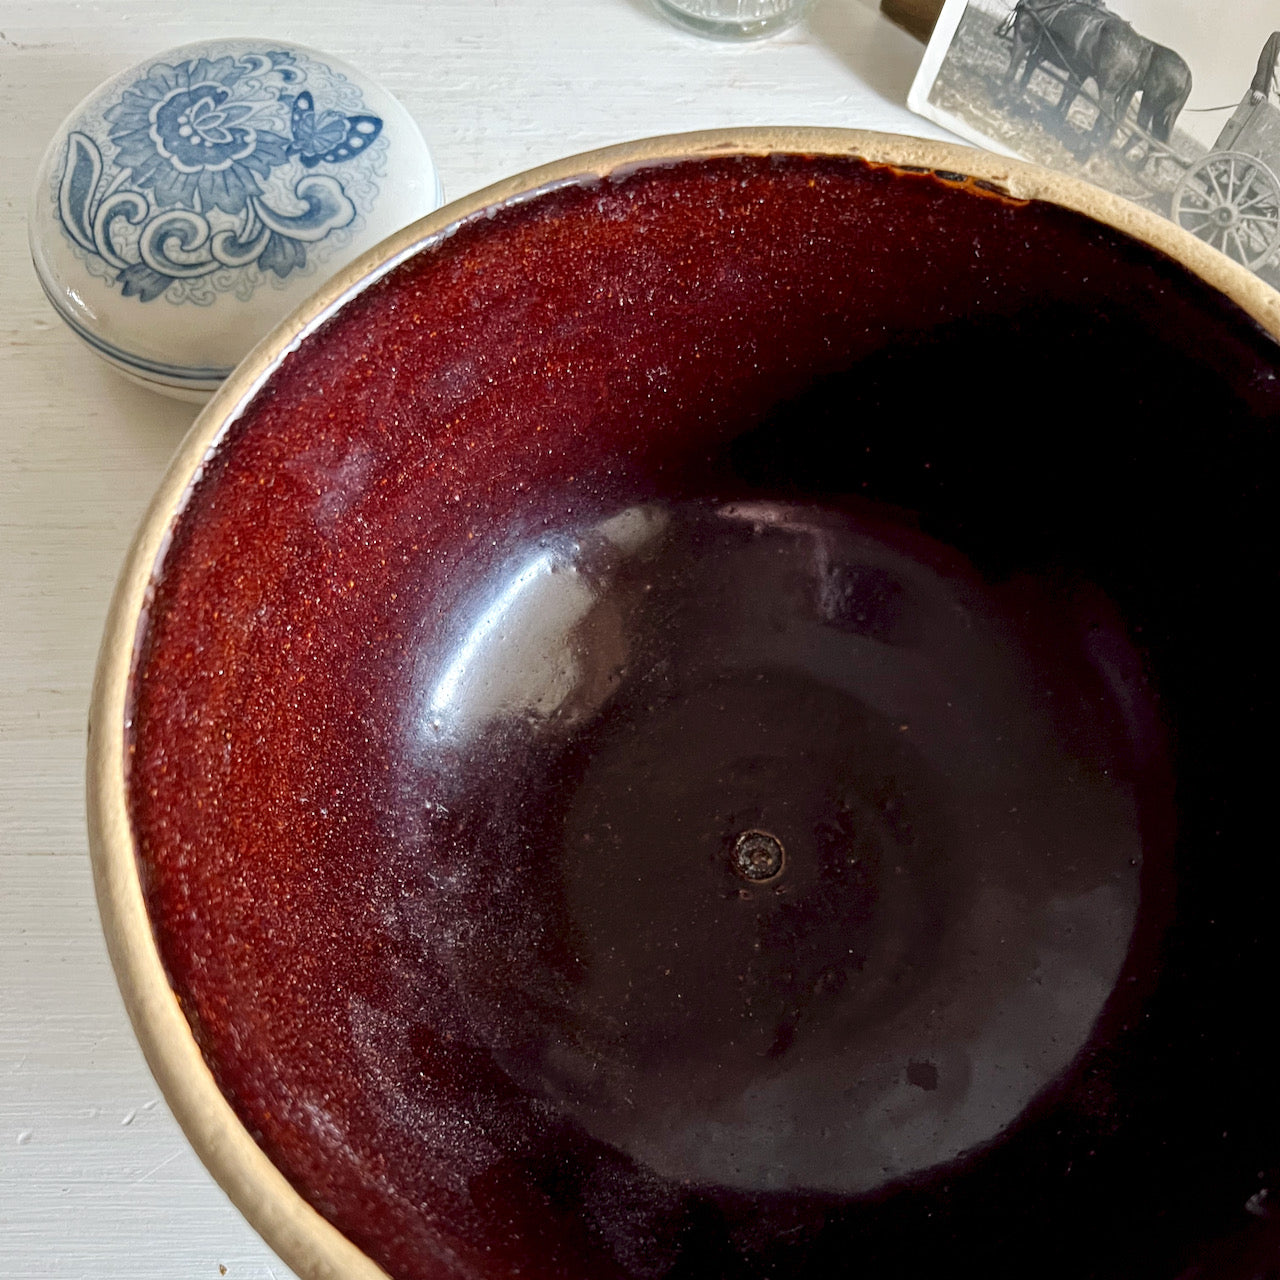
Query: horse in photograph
[(1162, 92), (1165, 88), (1088, 42)]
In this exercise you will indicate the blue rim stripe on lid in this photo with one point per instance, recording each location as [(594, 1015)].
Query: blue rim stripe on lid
[(195, 376)]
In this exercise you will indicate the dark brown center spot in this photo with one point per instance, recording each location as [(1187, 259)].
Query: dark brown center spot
[(757, 856)]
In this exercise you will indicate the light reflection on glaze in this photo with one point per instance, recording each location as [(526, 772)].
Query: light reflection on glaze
[(974, 948), (519, 658)]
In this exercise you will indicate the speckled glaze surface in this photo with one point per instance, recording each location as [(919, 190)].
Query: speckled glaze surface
[(669, 499)]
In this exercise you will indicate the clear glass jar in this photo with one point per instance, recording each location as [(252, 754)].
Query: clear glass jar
[(734, 19)]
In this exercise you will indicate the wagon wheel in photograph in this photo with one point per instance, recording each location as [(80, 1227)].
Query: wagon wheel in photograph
[(1232, 200)]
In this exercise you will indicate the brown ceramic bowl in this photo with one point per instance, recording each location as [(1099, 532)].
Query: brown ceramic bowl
[(707, 711)]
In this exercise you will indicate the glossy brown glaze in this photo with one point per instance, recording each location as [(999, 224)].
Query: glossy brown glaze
[(655, 511)]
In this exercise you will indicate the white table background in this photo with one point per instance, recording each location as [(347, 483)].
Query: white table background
[(96, 1179)]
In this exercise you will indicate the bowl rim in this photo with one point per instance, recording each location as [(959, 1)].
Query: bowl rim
[(310, 1244)]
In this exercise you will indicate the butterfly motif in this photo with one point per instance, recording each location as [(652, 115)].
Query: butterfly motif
[(328, 136)]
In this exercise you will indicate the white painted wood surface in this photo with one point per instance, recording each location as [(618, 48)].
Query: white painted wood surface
[(96, 1180)]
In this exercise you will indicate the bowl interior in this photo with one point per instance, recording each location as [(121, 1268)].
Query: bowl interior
[(708, 724)]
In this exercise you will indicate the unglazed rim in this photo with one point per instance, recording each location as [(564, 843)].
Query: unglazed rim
[(312, 1246)]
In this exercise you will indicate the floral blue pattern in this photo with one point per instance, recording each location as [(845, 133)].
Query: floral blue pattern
[(213, 175)]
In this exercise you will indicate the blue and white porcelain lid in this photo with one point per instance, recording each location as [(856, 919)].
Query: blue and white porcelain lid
[(192, 202)]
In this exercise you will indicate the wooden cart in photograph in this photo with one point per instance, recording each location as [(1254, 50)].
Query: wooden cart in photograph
[(1231, 196)]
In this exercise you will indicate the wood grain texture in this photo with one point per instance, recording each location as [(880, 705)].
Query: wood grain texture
[(95, 1177), (916, 16)]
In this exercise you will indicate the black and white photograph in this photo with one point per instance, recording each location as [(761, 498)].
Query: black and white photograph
[(1172, 103)]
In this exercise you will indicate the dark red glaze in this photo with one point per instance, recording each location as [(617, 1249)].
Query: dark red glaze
[(923, 530)]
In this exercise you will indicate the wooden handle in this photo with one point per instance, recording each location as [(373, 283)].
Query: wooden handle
[(916, 16)]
